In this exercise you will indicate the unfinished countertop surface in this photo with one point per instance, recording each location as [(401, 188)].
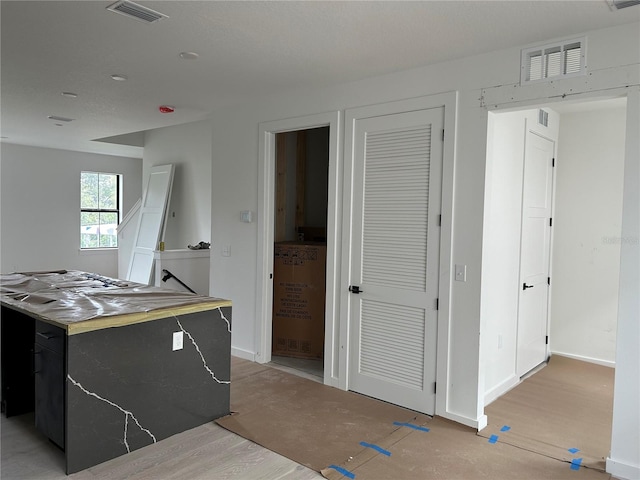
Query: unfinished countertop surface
[(80, 301)]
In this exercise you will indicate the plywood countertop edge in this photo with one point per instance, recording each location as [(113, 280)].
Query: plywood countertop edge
[(141, 317), (83, 326)]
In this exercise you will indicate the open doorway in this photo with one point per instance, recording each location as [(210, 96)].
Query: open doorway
[(300, 251), (584, 265)]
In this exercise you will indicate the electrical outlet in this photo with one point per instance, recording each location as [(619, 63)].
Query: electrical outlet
[(226, 251), (178, 340)]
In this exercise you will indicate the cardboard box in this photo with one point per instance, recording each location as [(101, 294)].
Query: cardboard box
[(299, 299)]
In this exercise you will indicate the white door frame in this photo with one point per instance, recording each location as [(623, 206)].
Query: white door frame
[(449, 101), (266, 220)]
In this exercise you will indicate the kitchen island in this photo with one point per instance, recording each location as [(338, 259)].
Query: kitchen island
[(110, 366)]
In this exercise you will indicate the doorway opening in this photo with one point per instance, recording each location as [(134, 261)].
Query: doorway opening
[(300, 251), (584, 264)]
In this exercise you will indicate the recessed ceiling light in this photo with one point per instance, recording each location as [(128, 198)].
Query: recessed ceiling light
[(69, 94), (189, 55), (119, 77), (60, 119)]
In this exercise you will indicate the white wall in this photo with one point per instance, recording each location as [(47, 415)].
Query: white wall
[(501, 252), (235, 176), (188, 147), (624, 460), (587, 233), (40, 208), (503, 214), (236, 166)]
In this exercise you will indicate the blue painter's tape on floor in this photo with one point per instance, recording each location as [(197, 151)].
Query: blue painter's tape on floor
[(575, 463), (343, 471), (411, 425), (574, 450), (376, 448), (493, 438), (506, 428)]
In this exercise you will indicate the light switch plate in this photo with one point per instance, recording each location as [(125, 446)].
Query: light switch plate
[(246, 216), (461, 273)]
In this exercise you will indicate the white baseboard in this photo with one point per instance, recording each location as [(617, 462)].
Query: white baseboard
[(622, 470), (478, 424), (597, 361), (500, 389), (245, 354)]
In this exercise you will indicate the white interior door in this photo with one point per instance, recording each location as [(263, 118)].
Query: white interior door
[(397, 182), (534, 256), (153, 209)]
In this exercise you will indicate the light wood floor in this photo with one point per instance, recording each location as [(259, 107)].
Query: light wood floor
[(208, 452), (309, 368)]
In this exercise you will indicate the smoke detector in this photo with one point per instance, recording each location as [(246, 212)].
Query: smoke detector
[(135, 11)]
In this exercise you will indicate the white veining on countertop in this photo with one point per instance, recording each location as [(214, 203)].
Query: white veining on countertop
[(204, 362), (126, 412), (225, 319)]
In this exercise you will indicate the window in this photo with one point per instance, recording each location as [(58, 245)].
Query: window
[(553, 61), (99, 209)]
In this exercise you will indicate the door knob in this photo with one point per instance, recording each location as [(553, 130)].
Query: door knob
[(525, 286)]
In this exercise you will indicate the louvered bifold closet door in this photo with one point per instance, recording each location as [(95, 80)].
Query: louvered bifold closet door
[(397, 176)]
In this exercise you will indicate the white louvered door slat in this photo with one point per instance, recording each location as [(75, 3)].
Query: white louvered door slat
[(395, 251)]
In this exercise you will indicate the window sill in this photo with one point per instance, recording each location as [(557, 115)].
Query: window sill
[(97, 251)]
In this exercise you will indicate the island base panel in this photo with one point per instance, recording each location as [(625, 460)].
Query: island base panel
[(127, 388)]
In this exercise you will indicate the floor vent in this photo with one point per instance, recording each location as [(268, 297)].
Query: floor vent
[(138, 12)]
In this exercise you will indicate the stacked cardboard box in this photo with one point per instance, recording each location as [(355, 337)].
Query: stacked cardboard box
[(299, 299)]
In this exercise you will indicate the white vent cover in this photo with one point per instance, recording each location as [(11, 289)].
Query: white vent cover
[(553, 61), (618, 4), (138, 12), (543, 118)]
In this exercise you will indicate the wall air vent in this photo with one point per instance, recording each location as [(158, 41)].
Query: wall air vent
[(543, 118), (554, 61), (138, 12)]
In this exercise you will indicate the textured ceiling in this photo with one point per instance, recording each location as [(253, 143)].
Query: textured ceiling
[(247, 50)]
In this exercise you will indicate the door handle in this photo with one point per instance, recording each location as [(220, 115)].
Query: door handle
[(355, 289), (525, 286)]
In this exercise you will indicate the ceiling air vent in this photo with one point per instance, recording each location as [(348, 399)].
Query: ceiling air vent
[(618, 4), (133, 10), (60, 119)]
